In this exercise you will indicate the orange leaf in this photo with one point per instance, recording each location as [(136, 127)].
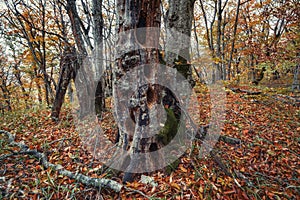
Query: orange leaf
[(229, 192), (175, 185), (38, 167), (182, 168)]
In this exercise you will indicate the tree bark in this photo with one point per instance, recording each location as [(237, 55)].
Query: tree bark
[(131, 53), (234, 37), (65, 76), (18, 77), (67, 68), (98, 49), (90, 84), (296, 83), (179, 18), (218, 63), (132, 16), (81, 54)]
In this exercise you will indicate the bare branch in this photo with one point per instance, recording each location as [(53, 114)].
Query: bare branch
[(95, 182)]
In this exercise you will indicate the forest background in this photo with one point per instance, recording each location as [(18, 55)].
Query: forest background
[(251, 47)]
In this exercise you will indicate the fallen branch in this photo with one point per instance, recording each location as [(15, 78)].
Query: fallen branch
[(223, 167), (242, 116), (137, 191), (86, 180), (202, 131), (286, 99), (238, 90), (230, 140), (59, 140)]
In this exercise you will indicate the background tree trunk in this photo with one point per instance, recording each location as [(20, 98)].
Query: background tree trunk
[(234, 37), (296, 82), (90, 86), (98, 50), (179, 18), (65, 76)]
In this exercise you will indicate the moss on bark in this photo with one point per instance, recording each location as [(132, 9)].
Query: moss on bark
[(170, 128)]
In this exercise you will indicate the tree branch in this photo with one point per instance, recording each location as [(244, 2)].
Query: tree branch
[(86, 180), (238, 90)]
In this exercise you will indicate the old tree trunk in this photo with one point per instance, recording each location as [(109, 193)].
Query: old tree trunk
[(179, 19), (73, 59), (139, 101), (132, 52)]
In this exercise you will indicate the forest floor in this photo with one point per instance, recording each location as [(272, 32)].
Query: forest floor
[(265, 165)]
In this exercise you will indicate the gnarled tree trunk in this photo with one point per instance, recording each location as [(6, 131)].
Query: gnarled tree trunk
[(136, 47)]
